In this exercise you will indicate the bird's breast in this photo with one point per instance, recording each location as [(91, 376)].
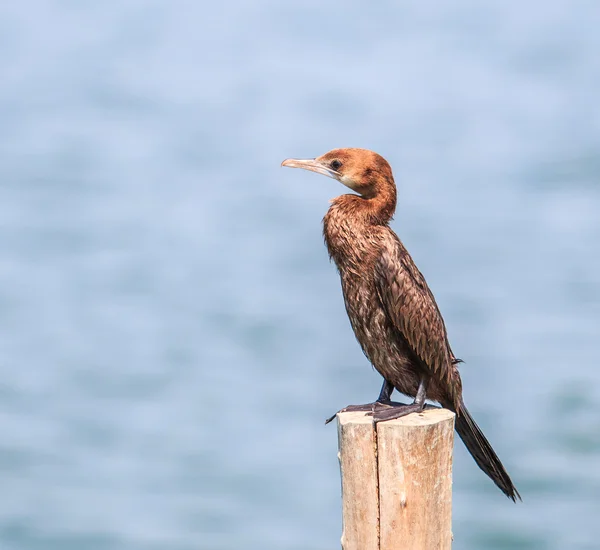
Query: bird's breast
[(352, 245)]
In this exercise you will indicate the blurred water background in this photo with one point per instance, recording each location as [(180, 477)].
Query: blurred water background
[(172, 334)]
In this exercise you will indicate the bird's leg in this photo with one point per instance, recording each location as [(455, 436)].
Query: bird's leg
[(386, 392), (398, 410), (383, 402)]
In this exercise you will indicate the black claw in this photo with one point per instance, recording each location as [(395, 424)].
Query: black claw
[(330, 419)]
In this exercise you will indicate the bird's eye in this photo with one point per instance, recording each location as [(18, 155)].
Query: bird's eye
[(336, 164)]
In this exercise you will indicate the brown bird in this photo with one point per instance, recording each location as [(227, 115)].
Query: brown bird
[(392, 311)]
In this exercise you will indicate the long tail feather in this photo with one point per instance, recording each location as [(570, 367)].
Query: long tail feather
[(483, 453)]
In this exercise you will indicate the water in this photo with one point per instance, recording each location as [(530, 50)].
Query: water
[(171, 332)]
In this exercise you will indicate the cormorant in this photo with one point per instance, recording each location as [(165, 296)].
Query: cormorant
[(392, 310)]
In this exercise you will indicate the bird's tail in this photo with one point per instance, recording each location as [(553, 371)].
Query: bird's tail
[(482, 452)]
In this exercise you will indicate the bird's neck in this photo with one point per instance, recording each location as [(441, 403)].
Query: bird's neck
[(352, 225), (365, 211)]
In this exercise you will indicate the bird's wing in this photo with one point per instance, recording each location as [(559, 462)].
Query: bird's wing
[(411, 307)]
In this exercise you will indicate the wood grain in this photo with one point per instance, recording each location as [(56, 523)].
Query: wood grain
[(358, 466), (397, 481)]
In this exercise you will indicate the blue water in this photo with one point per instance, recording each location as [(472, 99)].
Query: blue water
[(172, 334)]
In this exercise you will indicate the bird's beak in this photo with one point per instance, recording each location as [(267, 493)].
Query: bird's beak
[(313, 165)]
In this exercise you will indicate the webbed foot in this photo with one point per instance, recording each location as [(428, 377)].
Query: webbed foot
[(384, 409), (375, 409)]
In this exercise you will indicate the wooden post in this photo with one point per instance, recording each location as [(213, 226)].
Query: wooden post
[(397, 481)]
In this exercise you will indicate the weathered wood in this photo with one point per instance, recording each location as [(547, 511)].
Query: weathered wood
[(415, 481), (358, 466), (397, 481)]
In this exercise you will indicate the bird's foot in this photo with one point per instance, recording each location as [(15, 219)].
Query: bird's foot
[(397, 411), (381, 411), (370, 409)]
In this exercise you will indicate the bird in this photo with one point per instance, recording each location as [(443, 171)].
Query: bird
[(392, 310)]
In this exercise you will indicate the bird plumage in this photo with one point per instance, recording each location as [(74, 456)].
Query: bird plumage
[(392, 311)]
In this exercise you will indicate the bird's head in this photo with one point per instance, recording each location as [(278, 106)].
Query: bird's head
[(361, 170)]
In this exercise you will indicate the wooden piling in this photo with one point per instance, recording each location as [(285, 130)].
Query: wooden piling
[(397, 481)]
